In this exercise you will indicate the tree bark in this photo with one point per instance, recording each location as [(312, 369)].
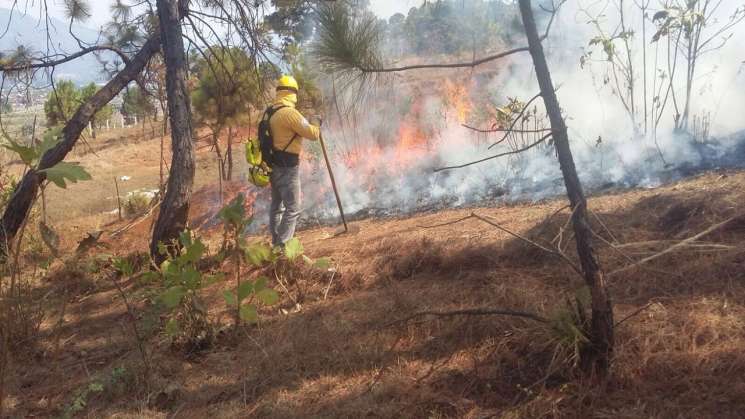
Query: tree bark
[(595, 357), (174, 211), (229, 155), (20, 203), (218, 152)]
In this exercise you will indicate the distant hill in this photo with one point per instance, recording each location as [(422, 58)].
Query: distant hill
[(30, 31)]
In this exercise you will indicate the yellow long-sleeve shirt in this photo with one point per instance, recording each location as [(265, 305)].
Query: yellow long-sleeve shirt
[(288, 122)]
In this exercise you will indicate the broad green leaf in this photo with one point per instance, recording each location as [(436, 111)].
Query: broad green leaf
[(268, 296), (27, 154), (322, 263), (194, 252), (258, 253), (248, 313), (234, 213), (245, 290), (260, 283), (293, 249), (62, 172), (173, 296), (190, 277), (162, 249), (172, 327), (169, 270), (230, 298)]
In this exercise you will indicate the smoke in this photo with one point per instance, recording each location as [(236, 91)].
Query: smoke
[(385, 153)]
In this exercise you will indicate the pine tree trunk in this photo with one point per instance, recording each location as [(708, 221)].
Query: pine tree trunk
[(218, 152), (174, 210), (595, 357), (20, 203), (229, 155)]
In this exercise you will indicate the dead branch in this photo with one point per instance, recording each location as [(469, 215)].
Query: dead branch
[(470, 312), (51, 62), (515, 119), (473, 63), (507, 153), (677, 245), (519, 131), (459, 220), (635, 313), (487, 220)]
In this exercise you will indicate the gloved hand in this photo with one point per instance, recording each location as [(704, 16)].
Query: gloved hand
[(316, 120)]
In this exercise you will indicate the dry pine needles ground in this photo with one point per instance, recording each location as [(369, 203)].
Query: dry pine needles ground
[(679, 354)]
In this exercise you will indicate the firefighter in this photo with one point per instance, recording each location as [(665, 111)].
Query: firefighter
[(288, 129)]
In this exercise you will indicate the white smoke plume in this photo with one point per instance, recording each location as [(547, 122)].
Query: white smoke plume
[(384, 156)]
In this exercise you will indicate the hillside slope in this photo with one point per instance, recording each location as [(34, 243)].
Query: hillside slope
[(349, 352)]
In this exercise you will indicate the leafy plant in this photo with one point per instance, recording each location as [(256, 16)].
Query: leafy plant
[(247, 294), (182, 282), (60, 173), (114, 384)]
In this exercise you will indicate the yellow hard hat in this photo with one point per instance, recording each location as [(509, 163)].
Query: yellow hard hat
[(287, 83)]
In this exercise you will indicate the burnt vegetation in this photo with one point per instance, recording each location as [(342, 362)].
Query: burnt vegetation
[(477, 277)]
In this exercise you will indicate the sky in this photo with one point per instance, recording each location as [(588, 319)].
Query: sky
[(100, 8)]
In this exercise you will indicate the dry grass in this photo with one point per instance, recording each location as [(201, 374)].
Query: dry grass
[(680, 356)]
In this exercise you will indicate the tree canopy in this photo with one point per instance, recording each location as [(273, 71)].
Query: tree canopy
[(61, 103), (227, 86)]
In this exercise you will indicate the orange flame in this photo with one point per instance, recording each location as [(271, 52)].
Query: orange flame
[(458, 99)]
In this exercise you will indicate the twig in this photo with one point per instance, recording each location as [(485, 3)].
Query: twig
[(281, 283), (597, 217), (531, 242), (138, 221), (328, 287), (627, 257), (677, 245), (515, 119), (519, 131), (135, 329), (459, 220), (507, 153), (470, 312), (636, 312)]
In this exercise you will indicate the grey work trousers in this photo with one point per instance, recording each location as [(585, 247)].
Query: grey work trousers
[(285, 208)]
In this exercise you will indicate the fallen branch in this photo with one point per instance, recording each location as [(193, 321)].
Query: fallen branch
[(138, 221), (635, 313), (530, 242), (459, 220), (677, 245), (470, 312)]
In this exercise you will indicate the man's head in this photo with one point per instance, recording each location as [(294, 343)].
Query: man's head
[(287, 88)]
